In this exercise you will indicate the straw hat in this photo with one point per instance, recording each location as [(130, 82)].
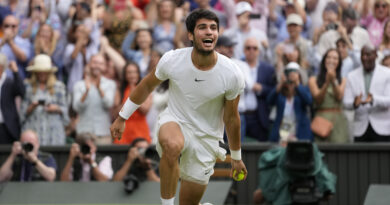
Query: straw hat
[(42, 63)]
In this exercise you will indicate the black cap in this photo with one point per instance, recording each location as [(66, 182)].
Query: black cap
[(225, 41)]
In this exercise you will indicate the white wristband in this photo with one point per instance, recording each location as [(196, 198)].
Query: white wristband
[(235, 154), (128, 109)]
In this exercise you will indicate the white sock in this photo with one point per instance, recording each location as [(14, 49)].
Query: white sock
[(168, 201)]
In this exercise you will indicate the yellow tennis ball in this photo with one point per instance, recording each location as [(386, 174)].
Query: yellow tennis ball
[(240, 176)]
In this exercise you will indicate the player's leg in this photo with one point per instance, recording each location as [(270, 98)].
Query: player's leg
[(190, 192), (171, 140)]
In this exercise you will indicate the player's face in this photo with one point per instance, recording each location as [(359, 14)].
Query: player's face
[(205, 36)]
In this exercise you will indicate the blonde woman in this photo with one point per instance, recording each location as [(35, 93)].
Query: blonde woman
[(44, 108)]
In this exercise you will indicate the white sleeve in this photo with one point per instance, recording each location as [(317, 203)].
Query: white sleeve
[(105, 167), (162, 69), (237, 85)]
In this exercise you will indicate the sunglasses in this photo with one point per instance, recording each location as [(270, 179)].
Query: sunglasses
[(251, 48), (10, 25), (377, 6)]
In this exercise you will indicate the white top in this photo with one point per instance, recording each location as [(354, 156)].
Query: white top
[(2, 80), (196, 97)]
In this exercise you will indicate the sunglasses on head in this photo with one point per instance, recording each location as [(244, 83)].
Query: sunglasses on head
[(10, 25), (251, 48), (378, 5)]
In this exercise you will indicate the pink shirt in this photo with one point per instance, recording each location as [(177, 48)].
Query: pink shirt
[(374, 28)]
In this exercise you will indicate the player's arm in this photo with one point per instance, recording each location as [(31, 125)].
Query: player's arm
[(231, 118), (137, 97)]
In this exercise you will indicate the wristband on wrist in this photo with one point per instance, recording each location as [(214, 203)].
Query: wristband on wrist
[(235, 154), (128, 109), (94, 164)]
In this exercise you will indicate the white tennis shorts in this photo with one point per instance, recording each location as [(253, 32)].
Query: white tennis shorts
[(199, 153)]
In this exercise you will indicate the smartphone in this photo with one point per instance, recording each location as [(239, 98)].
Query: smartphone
[(254, 16), (41, 102)]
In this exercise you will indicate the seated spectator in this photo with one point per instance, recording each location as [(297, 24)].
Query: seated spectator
[(327, 90), (367, 92), (374, 22), (44, 108), (137, 47), (85, 163), (93, 98), (291, 99), (136, 125), (10, 89), (27, 163), (137, 163), (13, 46)]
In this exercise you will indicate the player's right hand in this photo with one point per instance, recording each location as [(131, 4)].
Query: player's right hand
[(117, 128)]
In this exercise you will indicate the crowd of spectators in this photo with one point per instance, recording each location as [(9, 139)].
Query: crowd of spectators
[(66, 67)]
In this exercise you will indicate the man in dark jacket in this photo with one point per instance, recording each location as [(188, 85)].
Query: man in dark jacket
[(10, 88)]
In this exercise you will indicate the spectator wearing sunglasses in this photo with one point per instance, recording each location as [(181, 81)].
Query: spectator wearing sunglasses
[(375, 21), (14, 47)]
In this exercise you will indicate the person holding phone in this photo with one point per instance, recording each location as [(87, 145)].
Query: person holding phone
[(44, 108)]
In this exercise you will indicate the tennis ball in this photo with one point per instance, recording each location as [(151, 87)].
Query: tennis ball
[(240, 176)]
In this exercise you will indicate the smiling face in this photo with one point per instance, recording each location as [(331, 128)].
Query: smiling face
[(45, 32), (144, 39), (132, 74), (205, 36), (332, 60), (381, 9)]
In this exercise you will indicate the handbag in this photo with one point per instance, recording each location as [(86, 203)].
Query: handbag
[(321, 126)]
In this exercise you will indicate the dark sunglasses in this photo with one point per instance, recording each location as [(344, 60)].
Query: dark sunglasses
[(10, 25), (377, 6), (251, 48)]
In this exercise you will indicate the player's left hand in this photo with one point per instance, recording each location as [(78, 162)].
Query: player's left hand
[(239, 166)]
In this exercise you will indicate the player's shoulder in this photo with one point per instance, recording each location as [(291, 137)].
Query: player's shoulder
[(229, 65), (176, 53)]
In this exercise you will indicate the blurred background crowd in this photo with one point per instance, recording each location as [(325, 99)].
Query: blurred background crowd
[(66, 67)]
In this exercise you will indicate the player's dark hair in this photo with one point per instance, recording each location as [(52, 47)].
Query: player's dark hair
[(200, 14)]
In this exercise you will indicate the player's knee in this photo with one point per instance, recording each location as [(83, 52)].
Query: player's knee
[(172, 149)]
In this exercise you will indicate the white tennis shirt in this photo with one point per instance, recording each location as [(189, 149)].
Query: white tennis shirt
[(196, 97)]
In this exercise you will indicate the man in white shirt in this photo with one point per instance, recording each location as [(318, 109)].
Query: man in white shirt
[(203, 96)]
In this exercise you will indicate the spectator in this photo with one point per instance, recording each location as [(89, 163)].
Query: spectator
[(164, 27), (27, 163), (292, 100), (44, 108), (263, 81), (385, 44), (137, 47), (205, 4), (14, 47), (10, 88), (243, 30), (37, 15), (78, 53), (369, 98), (291, 53), (330, 17), (84, 163), (348, 63), (136, 125), (328, 90), (93, 98), (114, 60), (386, 61), (137, 163), (374, 22)]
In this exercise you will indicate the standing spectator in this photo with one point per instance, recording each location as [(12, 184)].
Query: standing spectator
[(328, 90), (264, 80), (386, 61), (137, 47), (375, 21), (243, 30), (136, 125), (44, 108), (10, 88), (348, 63), (93, 98), (385, 44), (367, 92), (14, 47), (137, 164), (291, 99), (84, 163), (27, 163), (291, 53), (205, 4), (164, 27), (78, 53)]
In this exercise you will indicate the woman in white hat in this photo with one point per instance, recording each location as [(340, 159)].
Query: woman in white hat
[(44, 108)]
